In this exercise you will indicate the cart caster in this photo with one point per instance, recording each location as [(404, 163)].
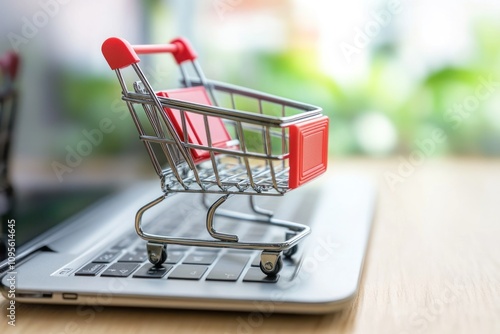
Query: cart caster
[(292, 250), (157, 253), (271, 263)]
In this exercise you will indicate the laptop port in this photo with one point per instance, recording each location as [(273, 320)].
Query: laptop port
[(71, 296), (34, 295)]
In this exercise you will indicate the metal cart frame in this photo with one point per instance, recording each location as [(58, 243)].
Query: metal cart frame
[(199, 145)]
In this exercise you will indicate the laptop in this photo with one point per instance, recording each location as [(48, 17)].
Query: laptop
[(77, 244), (89, 252)]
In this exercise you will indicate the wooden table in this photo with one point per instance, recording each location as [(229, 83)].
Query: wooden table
[(433, 266)]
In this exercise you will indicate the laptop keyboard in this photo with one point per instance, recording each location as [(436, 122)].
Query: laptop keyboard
[(128, 257)]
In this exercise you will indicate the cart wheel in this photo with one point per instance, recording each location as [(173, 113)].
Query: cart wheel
[(157, 253), (271, 263), (292, 250)]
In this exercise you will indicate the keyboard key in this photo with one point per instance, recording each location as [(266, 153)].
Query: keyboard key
[(188, 271), (192, 233), (256, 233), (241, 251), (207, 249), (162, 229), (228, 268), (126, 242), (150, 271), (256, 275), (108, 256), (200, 258), (173, 257), (90, 269), (137, 255), (120, 269), (177, 248), (256, 261)]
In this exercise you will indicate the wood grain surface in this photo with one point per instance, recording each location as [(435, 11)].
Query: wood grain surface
[(433, 266)]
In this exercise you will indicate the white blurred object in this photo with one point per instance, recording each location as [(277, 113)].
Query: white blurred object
[(375, 133), (491, 113)]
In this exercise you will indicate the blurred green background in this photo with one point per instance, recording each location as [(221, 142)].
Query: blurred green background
[(387, 73)]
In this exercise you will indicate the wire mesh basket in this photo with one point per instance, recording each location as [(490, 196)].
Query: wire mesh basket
[(211, 137)]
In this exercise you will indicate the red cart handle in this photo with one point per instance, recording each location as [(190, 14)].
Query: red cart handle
[(119, 53), (9, 63)]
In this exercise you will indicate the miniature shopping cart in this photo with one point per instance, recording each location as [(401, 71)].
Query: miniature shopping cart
[(213, 138), (9, 63)]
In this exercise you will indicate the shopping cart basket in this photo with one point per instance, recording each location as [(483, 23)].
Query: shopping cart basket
[(9, 64), (213, 138)]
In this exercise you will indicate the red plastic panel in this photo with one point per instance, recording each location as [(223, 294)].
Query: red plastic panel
[(195, 125), (308, 151), (9, 63)]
